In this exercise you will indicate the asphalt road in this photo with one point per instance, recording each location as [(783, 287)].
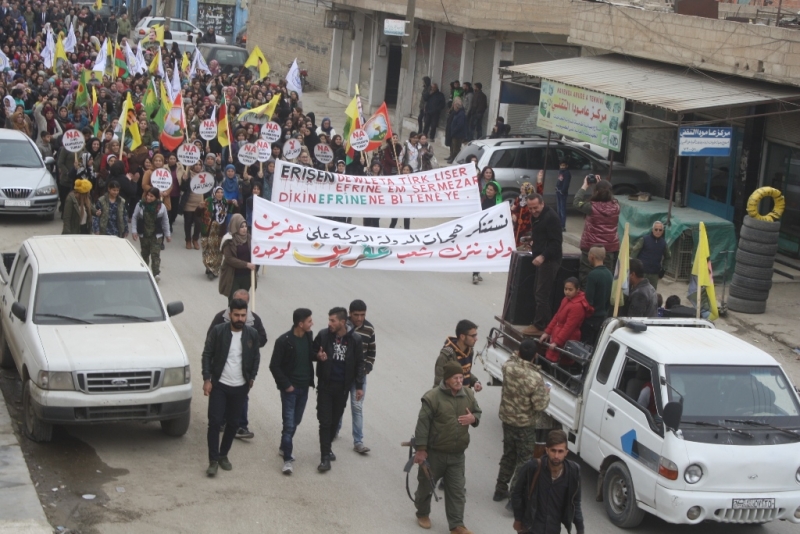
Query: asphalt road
[(148, 482)]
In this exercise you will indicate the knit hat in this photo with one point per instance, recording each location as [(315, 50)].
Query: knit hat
[(229, 166), (83, 186), (452, 368)]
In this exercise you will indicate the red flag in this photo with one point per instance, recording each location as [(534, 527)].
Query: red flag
[(174, 125), (378, 128), (223, 127)]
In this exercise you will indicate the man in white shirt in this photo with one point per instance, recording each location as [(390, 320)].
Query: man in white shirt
[(230, 364)]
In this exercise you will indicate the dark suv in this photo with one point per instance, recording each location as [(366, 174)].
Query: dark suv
[(519, 160)]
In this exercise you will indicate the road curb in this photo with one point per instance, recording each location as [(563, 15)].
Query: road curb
[(20, 509)]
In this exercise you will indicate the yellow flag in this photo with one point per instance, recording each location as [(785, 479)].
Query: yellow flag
[(272, 105), (155, 65), (60, 52), (185, 63), (258, 61), (702, 276), (129, 123), (156, 33), (98, 5), (621, 271)]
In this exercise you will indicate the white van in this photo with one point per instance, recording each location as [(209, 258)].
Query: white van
[(84, 324)]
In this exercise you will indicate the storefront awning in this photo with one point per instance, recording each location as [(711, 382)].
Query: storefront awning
[(674, 88)]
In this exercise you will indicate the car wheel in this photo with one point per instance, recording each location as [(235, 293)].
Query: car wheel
[(6, 359), (176, 427), (50, 216), (36, 429), (746, 306), (619, 497), (509, 195)]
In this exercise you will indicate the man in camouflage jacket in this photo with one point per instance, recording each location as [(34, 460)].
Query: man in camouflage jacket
[(524, 398)]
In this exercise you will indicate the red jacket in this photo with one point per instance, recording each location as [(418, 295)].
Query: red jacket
[(566, 324)]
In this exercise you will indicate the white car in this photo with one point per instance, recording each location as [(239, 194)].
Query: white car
[(182, 30), (84, 324), (26, 185)]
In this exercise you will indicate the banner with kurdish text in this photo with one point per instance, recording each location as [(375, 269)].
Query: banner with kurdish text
[(582, 114), (447, 192), (482, 241)]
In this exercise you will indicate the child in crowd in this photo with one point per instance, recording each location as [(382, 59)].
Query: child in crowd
[(566, 324)]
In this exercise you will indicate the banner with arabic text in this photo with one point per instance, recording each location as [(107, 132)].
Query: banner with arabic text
[(447, 192), (482, 241)]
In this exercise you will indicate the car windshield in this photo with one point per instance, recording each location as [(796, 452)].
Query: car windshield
[(230, 57), (718, 393), (97, 298), (14, 153)]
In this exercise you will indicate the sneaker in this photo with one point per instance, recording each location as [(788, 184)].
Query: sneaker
[(324, 465), (474, 278), (332, 457), (244, 433), (224, 463), (360, 448), (288, 467), (480, 278), (158, 278), (500, 496), (212, 469)]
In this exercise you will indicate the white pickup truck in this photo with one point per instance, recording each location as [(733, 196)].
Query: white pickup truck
[(85, 326), (681, 420)]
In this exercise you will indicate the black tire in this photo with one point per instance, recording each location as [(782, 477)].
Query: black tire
[(624, 189), (746, 306), (6, 358), (619, 497), (748, 294), (50, 216), (509, 195), (762, 249), (176, 427), (758, 273), (36, 429), (759, 236), (756, 260), (764, 226), (751, 283)]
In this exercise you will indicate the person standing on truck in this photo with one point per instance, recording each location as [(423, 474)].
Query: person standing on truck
[(230, 364), (546, 241), (601, 222), (643, 301), (598, 294), (441, 437), (254, 321), (567, 322), (652, 250), (547, 492), (150, 222), (459, 349), (523, 398)]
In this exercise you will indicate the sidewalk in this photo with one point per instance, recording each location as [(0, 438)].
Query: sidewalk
[(20, 509)]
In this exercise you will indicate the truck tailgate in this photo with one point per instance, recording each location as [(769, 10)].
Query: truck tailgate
[(564, 405)]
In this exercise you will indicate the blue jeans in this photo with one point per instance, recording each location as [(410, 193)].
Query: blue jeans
[(356, 409), (292, 407), (561, 208)]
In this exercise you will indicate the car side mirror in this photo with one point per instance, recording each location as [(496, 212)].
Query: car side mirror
[(673, 411), (174, 308), (50, 163), (19, 311)]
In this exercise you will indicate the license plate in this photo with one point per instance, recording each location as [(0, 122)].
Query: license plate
[(753, 504), (18, 203)]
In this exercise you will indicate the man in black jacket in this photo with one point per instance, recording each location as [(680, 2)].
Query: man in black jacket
[(242, 425), (433, 110), (294, 373), (230, 364), (547, 491), (546, 241), (340, 363)]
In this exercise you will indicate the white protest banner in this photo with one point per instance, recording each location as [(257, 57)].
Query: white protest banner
[(73, 140), (248, 154), (201, 183), (483, 241), (161, 178), (271, 132), (264, 150), (208, 129), (188, 154), (445, 192), (323, 153), (359, 139), (292, 148)]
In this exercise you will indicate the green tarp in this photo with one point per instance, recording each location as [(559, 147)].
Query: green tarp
[(721, 233)]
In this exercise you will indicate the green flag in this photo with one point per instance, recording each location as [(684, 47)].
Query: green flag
[(82, 94), (151, 104)]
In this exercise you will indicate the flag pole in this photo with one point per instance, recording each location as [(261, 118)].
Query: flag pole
[(618, 295), (124, 117)]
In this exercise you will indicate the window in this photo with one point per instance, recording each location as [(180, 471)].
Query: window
[(503, 159), (609, 357), (24, 297), (15, 153), (575, 160), (636, 381), (22, 257), (535, 158)]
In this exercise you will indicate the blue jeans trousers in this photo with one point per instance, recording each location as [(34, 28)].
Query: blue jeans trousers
[(356, 409), (292, 407)]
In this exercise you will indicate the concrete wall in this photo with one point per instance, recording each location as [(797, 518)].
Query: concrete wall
[(288, 30), (545, 16), (751, 51)]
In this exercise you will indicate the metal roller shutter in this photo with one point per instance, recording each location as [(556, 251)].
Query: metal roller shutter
[(421, 65), (522, 119), (451, 66), (483, 70), (784, 129), (365, 73)]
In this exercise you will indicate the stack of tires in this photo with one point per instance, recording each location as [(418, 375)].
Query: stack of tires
[(758, 244)]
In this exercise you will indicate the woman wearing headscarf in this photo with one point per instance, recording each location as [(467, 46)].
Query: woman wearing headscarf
[(230, 185), (158, 162), (326, 128), (20, 122), (492, 196), (188, 205), (78, 210), (520, 214), (214, 212), (600, 227), (236, 264)]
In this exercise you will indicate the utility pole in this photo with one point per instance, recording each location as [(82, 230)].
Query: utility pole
[(406, 87)]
